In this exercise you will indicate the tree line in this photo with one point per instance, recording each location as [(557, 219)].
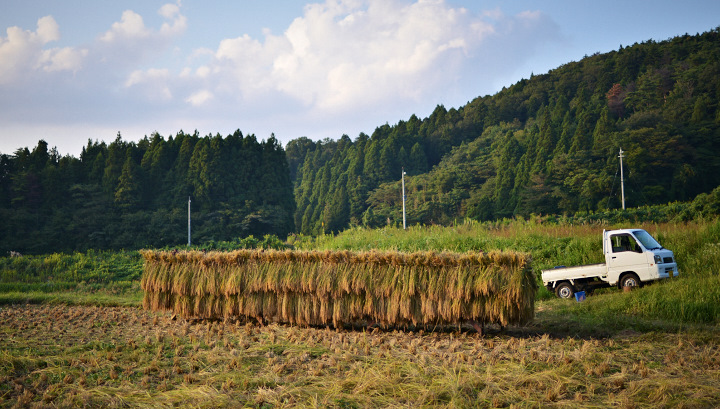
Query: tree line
[(132, 195), (545, 145)]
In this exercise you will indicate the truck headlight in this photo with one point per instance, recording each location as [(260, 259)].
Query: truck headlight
[(658, 259)]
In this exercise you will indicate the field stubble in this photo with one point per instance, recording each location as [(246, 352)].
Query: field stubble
[(62, 356)]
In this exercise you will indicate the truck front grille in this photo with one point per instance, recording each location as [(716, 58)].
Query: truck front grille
[(667, 260)]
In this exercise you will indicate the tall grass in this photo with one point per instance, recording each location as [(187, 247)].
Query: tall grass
[(62, 271), (93, 270), (313, 287), (130, 297), (100, 277), (694, 297), (546, 243)]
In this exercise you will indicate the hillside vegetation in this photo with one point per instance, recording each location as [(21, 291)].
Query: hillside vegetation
[(133, 195), (545, 145)]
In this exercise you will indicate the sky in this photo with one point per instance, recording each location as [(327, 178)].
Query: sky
[(79, 70)]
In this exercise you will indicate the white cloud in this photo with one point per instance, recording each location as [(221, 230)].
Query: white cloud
[(200, 97), (143, 77), (108, 83), (179, 22), (246, 64), (152, 83), (130, 26), (129, 41), (63, 59), (203, 71), (343, 54), (47, 30), (22, 52), (342, 64)]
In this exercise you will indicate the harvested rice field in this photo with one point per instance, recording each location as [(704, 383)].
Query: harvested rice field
[(69, 356)]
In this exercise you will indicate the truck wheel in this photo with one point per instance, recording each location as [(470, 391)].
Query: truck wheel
[(630, 280), (564, 290)]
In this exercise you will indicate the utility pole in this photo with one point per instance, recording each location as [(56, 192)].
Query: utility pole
[(403, 195), (622, 180), (189, 222)]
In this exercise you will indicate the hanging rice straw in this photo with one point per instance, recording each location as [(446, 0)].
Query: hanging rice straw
[(336, 287)]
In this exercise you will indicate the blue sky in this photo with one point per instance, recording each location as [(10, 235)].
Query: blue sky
[(77, 70)]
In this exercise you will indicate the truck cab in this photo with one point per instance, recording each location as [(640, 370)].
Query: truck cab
[(632, 257)]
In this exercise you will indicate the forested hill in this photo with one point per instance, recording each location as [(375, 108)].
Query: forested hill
[(548, 144), (132, 195)]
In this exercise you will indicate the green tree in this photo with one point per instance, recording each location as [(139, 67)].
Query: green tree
[(198, 174), (336, 213), (418, 162), (128, 191), (648, 92), (603, 134), (114, 164)]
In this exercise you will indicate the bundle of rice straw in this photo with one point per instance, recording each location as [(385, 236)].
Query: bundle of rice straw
[(324, 287)]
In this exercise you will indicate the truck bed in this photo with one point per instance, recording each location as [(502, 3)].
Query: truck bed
[(573, 273)]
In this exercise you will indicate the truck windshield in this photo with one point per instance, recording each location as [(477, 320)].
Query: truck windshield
[(647, 240)]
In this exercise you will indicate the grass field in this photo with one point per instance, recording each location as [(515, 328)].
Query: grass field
[(92, 344), (695, 298)]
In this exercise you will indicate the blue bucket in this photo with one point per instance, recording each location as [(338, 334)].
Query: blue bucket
[(580, 296)]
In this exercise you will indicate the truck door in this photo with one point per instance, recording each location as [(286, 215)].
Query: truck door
[(625, 254)]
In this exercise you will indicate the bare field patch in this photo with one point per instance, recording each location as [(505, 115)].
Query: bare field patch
[(67, 356)]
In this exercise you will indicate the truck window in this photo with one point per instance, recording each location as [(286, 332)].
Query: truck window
[(647, 240), (624, 242)]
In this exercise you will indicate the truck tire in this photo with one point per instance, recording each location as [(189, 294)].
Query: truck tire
[(630, 280), (564, 290)]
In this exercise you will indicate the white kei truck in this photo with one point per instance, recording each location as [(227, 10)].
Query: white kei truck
[(632, 257)]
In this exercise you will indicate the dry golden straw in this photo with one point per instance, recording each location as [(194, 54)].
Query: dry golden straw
[(324, 287)]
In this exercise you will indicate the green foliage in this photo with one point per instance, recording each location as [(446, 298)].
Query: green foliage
[(94, 277), (127, 296), (60, 271), (547, 145), (128, 195), (694, 297), (552, 241), (91, 278), (269, 241)]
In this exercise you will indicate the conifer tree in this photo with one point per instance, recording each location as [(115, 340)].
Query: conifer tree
[(127, 192)]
